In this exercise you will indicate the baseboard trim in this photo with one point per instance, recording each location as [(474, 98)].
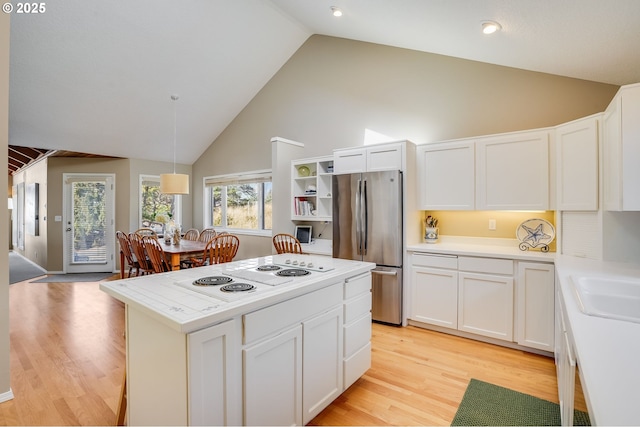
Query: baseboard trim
[(6, 396)]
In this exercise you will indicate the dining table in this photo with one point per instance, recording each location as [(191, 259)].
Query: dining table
[(184, 247)]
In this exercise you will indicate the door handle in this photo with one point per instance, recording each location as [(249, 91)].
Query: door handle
[(68, 229), (384, 272)]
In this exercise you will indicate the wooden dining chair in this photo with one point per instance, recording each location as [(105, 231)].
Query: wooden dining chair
[(125, 248), (191, 234), (156, 254), (224, 248), (207, 234), (286, 244), (137, 245)]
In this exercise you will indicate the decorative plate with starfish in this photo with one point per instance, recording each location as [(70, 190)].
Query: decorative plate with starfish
[(535, 233)]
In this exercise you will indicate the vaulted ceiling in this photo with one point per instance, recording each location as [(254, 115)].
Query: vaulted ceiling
[(97, 76)]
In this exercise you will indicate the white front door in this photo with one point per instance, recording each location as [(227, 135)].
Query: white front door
[(89, 230)]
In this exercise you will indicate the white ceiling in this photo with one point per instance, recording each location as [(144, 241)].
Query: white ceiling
[(97, 76)]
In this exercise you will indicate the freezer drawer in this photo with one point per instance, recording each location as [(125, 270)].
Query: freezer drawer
[(386, 305)]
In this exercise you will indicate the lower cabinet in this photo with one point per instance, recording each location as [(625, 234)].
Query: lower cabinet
[(481, 296), (215, 395), (535, 305), (485, 305), (435, 290), (273, 380), (321, 362)]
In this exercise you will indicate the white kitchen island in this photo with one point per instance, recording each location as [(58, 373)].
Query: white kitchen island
[(275, 355)]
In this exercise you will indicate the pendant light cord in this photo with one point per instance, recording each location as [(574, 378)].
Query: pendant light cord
[(175, 126)]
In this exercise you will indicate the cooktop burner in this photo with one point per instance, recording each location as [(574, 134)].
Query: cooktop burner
[(213, 281), (269, 267), (293, 272), (237, 287)]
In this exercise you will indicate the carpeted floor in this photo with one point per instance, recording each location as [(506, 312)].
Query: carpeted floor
[(21, 269), (486, 404)]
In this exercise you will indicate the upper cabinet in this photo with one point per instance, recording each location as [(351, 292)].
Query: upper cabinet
[(311, 189), (621, 138), (380, 157), (577, 165), (446, 176), (497, 172), (512, 171)]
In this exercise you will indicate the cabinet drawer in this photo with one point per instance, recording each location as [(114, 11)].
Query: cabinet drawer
[(440, 261), (357, 285), (486, 265), (356, 365), (385, 157), (357, 335), (357, 307), (272, 319)]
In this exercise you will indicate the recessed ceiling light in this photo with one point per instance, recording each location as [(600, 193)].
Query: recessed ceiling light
[(336, 11), (490, 27)]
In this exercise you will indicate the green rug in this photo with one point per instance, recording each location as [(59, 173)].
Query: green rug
[(486, 404)]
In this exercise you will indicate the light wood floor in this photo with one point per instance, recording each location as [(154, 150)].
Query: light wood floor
[(68, 355)]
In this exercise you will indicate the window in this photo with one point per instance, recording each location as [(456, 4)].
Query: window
[(154, 203), (239, 202)]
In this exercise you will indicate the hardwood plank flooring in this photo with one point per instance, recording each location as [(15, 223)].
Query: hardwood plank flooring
[(68, 358)]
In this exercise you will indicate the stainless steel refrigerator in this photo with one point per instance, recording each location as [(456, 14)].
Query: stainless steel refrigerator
[(367, 226)]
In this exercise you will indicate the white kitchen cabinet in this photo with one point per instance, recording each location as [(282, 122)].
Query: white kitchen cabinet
[(565, 362), (357, 328), (446, 176), (273, 380), (379, 157), (577, 165), (311, 189), (215, 395), (434, 281), (485, 305), (512, 171), (286, 342), (485, 297), (621, 138), (322, 363), (535, 291)]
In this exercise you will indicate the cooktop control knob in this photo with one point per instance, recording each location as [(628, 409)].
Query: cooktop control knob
[(310, 265), (302, 264), (294, 262), (288, 261)]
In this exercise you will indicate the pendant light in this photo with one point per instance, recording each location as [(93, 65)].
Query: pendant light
[(174, 183)]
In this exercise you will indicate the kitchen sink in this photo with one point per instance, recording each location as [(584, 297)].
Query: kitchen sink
[(613, 298)]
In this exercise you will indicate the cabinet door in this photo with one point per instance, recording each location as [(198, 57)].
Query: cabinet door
[(273, 380), (385, 157), (435, 296), (446, 176), (350, 161), (321, 362), (577, 165), (485, 305), (513, 172), (535, 290), (215, 396)]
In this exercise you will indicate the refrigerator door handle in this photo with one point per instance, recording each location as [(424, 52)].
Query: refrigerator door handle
[(365, 222), (358, 219), (384, 273)]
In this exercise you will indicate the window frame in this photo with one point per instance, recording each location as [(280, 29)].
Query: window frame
[(259, 176), (177, 199)]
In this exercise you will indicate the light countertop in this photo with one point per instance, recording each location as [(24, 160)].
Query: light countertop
[(607, 350), (476, 246), (169, 298)]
